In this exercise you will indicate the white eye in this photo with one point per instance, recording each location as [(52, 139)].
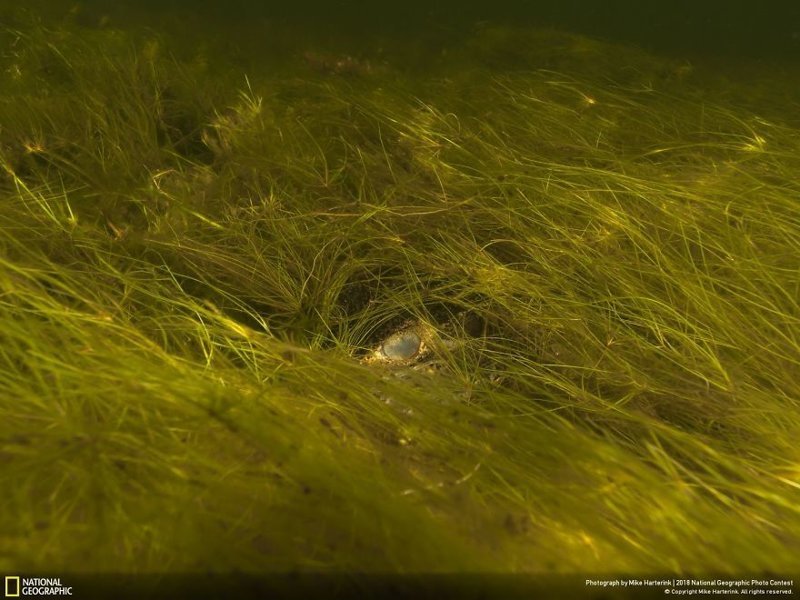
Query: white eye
[(401, 346)]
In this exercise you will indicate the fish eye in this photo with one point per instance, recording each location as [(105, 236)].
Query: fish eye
[(401, 346)]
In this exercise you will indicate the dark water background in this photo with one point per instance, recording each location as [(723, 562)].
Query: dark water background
[(732, 29)]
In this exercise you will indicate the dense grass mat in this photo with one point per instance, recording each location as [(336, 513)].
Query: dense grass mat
[(200, 252)]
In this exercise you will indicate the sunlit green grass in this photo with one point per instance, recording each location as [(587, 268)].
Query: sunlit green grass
[(194, 259)]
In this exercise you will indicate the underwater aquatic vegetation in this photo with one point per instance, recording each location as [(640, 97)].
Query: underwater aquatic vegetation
[(330, 64), (631, 257)]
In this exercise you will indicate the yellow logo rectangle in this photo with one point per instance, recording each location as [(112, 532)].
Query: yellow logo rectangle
[(12, 586)]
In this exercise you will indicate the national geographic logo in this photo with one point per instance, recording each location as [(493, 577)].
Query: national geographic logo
[(16, 586)]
